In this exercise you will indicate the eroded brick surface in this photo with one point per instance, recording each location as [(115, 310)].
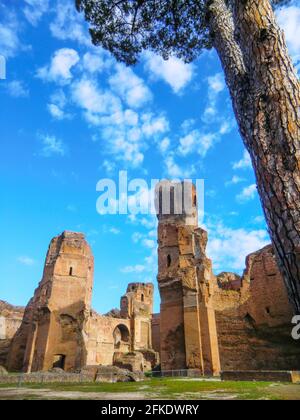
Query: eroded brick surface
[(60, 329)]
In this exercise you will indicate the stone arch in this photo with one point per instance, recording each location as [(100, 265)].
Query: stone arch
[(121, 336)]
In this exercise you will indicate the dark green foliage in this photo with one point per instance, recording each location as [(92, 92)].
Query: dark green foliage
[(167, 27)]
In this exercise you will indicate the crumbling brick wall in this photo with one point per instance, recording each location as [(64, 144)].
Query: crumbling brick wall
[(10, 321), (254, 321)]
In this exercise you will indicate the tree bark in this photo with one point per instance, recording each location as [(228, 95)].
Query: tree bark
[(265, 91)]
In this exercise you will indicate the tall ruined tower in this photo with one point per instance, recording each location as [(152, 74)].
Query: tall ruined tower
[(137, 305), (53, 332), (188, 333)]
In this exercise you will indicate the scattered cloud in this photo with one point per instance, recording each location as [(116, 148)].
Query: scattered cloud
[(174, 72), (24, 260), (10, 44), (216, 85), (229, 247), (51, 146), (174, 170), (59, 70), (234, 181), (289, 21), (133, 269), (197, 141), (244, 163), (57, 104), (96, 62), (259, 220), (114, 231), (35, 9), (17, 89), (247, 194), (149, 243), (87, 94), (130, 87), (164, 144), (68, 24)]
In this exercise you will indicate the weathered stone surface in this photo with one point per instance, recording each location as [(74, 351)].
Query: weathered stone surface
[(155, 326), (229, 281), (188, 337), (114, 313), (53, 332), (10, 320), (115, 374), (247, 320), (254, 321), (130, 333), (262, 376), (60, 330)]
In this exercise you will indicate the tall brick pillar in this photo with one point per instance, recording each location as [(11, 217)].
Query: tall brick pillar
[(54, 329), (188, 327)]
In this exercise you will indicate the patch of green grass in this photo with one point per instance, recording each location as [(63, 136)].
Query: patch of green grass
[(168, 388)]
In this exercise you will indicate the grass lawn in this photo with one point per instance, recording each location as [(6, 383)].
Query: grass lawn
[(173, 389)]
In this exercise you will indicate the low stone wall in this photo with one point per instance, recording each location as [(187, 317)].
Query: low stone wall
[(106, 374), (45, 378), (262, 376)]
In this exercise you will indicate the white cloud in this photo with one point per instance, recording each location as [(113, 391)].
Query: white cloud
[(289, 20), (56, 107), (174, 170), (164, 144), (247, 194), (60, 67), (188, 143), (10, 43), (196, 141), (133, 269), (259, 219), (88, 96), (130, 87), (24, 260), (35, 9), (153, 125), (174, 71), (69, 25), (244, 163), (126, 134), (109, 166), (234, 181), (114, 231), (56, 112), (149, 243), (93, 63), (216, 85), (51, 146), (229, 247), (17, 89)]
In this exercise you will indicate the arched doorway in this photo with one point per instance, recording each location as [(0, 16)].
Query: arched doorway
[(121, 337)]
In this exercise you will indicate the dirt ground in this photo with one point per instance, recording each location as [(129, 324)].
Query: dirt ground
[(48, 394)]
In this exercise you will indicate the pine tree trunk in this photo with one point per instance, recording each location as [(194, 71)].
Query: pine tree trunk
[(265, 92)]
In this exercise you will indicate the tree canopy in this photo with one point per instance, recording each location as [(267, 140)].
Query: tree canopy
[(167, 27)]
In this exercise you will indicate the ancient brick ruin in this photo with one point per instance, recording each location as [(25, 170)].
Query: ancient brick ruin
[(208, 323), (59, 328), (188, 332)]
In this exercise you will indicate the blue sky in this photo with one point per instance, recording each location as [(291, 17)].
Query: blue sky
[(70, 116)]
